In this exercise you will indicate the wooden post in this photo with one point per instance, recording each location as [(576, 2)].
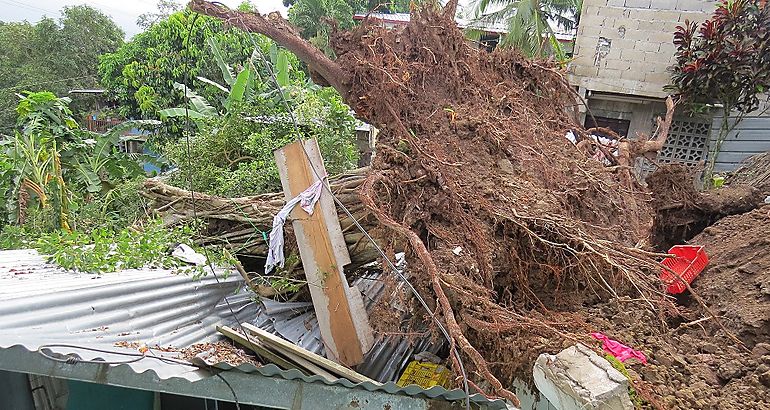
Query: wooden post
[(340, 310)]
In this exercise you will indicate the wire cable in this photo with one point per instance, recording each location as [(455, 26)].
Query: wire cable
[(192, 199), (70, 359), (358, 225)]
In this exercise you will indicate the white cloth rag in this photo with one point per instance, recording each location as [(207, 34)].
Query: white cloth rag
[(307, 200)]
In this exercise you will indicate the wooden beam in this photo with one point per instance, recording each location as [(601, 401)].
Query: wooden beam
[(341, 315), (275, 341), (256, 347)]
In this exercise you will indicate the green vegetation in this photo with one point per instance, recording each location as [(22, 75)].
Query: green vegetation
[(73, 195), (53, 55), (636, 399), (141, 74), (51, 166), (528, 24)]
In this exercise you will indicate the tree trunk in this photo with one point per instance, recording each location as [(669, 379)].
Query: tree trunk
[(278, 29), (238, 224)]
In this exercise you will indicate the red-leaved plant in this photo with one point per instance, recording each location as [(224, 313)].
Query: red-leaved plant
[(724, 61)]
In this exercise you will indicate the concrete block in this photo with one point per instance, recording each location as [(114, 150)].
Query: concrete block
[(658, 78), (646, 14), (631, 54), (616, 3), (617, 64), (634, 75), (577, 378), (638, 4), (661, 36), (639, 34), (665, 15), (697, 16), (615, 12), (624, 43), (647, 46), (590, 30), (657, 58), (609, 73), (696, 5)]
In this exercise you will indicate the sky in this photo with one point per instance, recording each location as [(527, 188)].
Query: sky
[(123, 12)]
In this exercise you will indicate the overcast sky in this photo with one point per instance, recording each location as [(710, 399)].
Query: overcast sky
[(123, 12)]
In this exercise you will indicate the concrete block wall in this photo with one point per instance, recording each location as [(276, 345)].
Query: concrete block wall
[(625, 46)]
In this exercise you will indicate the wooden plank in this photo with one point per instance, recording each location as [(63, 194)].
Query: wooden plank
[(256, 347), (274, 340), (300, 363), (344, 325), (308, 365)]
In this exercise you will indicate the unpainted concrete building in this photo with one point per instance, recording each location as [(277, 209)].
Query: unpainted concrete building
[(623, 51)]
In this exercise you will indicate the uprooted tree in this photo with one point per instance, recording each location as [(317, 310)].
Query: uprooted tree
[(510, 229)]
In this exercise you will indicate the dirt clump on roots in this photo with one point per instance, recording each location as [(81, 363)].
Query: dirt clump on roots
[(681, 211), (510, 228)]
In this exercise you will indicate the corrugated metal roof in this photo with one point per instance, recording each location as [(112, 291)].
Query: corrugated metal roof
[(43, 304)]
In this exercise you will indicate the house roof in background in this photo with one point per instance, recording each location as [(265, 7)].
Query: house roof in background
[(42, 304)]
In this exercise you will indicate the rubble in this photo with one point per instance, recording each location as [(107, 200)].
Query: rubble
[(577, 378)]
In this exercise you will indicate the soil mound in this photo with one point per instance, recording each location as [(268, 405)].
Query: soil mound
[(693, 363), (736, 282)]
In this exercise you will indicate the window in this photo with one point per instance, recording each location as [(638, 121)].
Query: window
[(619, 126)]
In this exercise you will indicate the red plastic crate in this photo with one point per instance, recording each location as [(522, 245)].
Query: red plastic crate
[(688, 263)]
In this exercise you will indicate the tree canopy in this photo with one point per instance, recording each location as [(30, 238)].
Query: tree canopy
[(54, 55), (141, 74)]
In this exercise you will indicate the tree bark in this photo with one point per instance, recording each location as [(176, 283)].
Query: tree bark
[(280, 30), (237, 223)]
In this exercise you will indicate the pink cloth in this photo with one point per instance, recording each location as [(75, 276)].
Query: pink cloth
[(619, 350)]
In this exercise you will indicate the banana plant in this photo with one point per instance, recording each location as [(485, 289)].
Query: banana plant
[(100, 165), (237, 87)]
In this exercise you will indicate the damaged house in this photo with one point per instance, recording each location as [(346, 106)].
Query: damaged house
[(623, 52)]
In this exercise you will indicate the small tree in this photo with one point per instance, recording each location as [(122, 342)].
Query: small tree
[(725, 61)]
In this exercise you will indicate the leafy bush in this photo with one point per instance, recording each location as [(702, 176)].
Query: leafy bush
[(119, 208), (233, 155), (52, 166), (107, 250)]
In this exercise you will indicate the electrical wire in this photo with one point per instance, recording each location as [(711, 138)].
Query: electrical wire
[(358, 225), (192, 199), (70, 359), (61, 80)]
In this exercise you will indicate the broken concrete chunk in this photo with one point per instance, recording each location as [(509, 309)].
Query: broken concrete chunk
[(577, 378)]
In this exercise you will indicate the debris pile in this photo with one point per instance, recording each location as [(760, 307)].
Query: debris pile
[(512, 234), (472, 154)]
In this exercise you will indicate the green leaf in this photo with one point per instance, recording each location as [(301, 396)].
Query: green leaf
[(227, 71), (181, 112), (282, 69), (239, 88)]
